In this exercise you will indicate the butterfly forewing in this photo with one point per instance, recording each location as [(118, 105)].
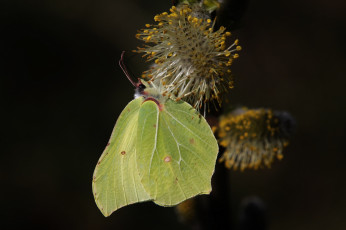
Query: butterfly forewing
[(147, 161), (116, 181)]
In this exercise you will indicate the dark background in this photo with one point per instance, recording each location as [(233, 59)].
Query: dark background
[(62, 91)]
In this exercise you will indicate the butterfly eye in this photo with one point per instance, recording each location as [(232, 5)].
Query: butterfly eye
[(141, 87)]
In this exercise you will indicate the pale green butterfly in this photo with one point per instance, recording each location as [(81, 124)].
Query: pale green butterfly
[(160, 150)]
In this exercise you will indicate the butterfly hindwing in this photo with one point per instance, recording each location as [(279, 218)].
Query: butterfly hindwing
[(178, 152), (116, 181)]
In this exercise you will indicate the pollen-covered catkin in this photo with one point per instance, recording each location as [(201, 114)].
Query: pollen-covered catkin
[(192, 60), (253, 137)]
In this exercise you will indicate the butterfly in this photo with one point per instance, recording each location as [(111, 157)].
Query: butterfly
[(160, 150)]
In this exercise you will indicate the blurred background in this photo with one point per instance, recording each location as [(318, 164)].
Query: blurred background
[(62, 91)]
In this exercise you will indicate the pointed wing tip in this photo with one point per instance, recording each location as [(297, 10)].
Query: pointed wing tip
[(105, 213)]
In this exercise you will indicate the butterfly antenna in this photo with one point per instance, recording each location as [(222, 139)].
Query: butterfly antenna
[(123, 67)]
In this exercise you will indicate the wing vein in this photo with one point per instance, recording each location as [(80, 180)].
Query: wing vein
[(194, 172), (180, 158), (186, 127), (176, 141), (194, 153), (155, 143)]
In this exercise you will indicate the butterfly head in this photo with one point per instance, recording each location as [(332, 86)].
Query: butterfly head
[(141, 87), (147, 90)]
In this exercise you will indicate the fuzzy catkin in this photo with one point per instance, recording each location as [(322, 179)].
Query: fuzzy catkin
[(192, 61)]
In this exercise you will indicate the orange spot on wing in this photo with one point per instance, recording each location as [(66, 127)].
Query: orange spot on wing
[(123, 152), (167, 159)]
